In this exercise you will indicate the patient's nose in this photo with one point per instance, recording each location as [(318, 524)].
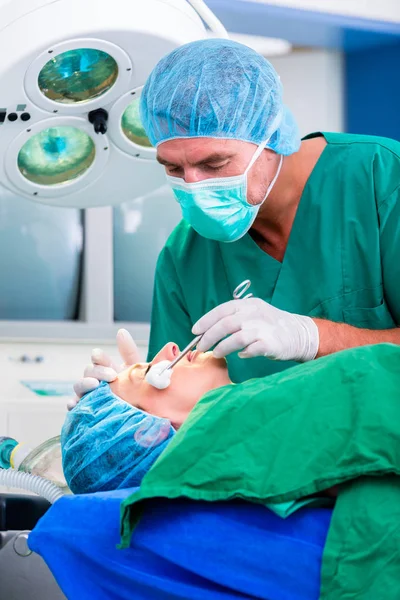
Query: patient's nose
[(169, 352)]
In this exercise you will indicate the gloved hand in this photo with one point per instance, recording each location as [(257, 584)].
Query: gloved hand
[(257, 329), (103, 368)]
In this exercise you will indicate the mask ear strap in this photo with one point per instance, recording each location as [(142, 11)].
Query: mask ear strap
[(256, 154), (262, 146), (271, 185)]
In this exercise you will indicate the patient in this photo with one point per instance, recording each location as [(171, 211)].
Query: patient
[(116, 432), (111, 439)]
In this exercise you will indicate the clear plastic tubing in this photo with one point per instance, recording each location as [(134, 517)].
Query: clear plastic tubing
[(31, 483)]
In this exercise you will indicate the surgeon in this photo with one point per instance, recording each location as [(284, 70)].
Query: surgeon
[(313, 223)]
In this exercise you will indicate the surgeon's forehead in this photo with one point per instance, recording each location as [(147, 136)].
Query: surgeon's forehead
[(198, 150)]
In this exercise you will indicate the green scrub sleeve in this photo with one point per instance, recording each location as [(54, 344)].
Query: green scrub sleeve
[(389, 223), (170, 320)]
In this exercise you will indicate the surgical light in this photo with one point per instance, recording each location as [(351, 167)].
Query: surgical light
[(71, 75), (56, 155), (78, 75), (132, 125)]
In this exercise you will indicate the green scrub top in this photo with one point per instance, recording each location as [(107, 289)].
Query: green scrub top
[(342, 261)]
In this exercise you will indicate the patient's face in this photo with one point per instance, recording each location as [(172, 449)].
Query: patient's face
[(196, 374)]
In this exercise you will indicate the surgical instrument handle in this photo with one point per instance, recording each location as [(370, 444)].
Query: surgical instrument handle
[(240, 291)]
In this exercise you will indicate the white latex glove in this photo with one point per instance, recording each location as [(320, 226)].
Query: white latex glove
[(102, 368), (257, 329)]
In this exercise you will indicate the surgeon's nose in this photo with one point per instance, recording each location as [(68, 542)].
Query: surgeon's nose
[(169, 352), (193, 175)]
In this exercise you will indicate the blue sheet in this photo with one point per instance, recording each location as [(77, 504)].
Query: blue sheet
[(182, 550)]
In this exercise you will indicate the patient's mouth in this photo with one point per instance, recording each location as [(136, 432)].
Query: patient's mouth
[(191, 356)]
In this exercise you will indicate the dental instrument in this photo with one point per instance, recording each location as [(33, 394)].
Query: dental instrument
[(159, 375)]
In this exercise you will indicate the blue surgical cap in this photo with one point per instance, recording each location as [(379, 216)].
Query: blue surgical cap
[(107, 444), (220, 89)]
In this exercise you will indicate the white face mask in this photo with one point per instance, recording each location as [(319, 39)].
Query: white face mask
[(218, 208)]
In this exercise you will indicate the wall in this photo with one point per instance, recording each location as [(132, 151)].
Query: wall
[(313, 88), (372, 86), (384, 10)]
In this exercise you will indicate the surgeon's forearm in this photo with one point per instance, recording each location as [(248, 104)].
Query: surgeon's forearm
[(334, 337)]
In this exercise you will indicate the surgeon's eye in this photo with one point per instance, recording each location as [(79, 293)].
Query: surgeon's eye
[(215, 167), (148, 369), (174, 170)]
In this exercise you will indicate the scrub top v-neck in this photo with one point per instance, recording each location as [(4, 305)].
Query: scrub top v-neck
[(341, 261)]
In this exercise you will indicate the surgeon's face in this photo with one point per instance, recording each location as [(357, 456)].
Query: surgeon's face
[(196, 374), (198, 159)]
